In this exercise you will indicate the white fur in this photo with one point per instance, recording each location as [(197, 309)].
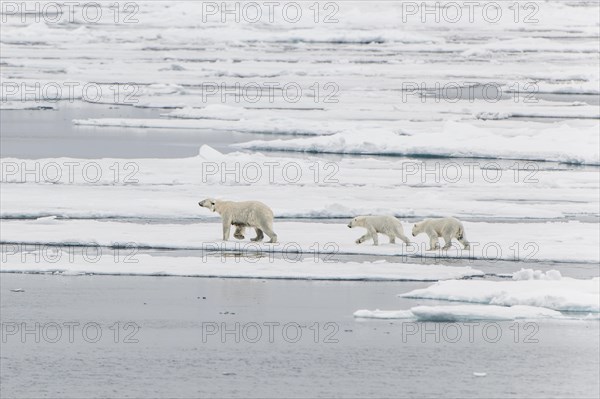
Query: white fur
[(388, 225), (447, 228), (243, 214)]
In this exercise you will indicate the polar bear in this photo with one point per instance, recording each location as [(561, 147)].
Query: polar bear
[(388, 225), (447, 228), (241, 215)]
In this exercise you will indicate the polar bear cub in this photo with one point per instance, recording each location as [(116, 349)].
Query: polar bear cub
[(388, 225), (241, 215), (447, 228)]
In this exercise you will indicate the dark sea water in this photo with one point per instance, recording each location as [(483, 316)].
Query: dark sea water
[(189, 337)]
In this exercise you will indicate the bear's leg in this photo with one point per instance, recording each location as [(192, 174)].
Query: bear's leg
[(401, 236), (269, 231), (239, 232), (433, 242), (259, 235), (447, 242), (392, 238), (363, 238), (373, 234), (226, 229)]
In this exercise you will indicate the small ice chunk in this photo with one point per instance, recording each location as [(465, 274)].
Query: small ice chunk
[(530, 274), (46, 219), (208, 153), (383, 314)]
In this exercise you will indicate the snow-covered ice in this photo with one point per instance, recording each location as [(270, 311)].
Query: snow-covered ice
[(559, 143), (72, 261), (562, 294), (384, 314), (367, 88), (532, 294), (171, 188), (454, 313), (496, 124), (498, 70), (490, 242)]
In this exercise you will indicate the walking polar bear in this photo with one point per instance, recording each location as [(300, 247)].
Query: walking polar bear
[(447, 228), (244, 214), (388, 225)]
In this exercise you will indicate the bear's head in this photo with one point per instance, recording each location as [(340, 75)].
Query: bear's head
[(417, 229), (208, 203), (357, 221)]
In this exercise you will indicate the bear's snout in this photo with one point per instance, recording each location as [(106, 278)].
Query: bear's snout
[(350, 226)]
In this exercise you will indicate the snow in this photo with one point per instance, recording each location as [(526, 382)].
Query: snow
[(463, 137), (339, 188), (390, 79), (536, 201), (559, 143), (562, 294), (273, 126), (73, 261), (532, 294), (384, 314), (530, 274), (385, 74), (490, 242)]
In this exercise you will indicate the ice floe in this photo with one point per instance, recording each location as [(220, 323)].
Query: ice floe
[(562, 294), (339, 188), (125, 262), (558, 143), (490, 242), (454, 313)]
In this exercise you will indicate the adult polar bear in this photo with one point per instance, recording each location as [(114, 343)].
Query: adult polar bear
[(243, 214), (447, 228), (388, 225)]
